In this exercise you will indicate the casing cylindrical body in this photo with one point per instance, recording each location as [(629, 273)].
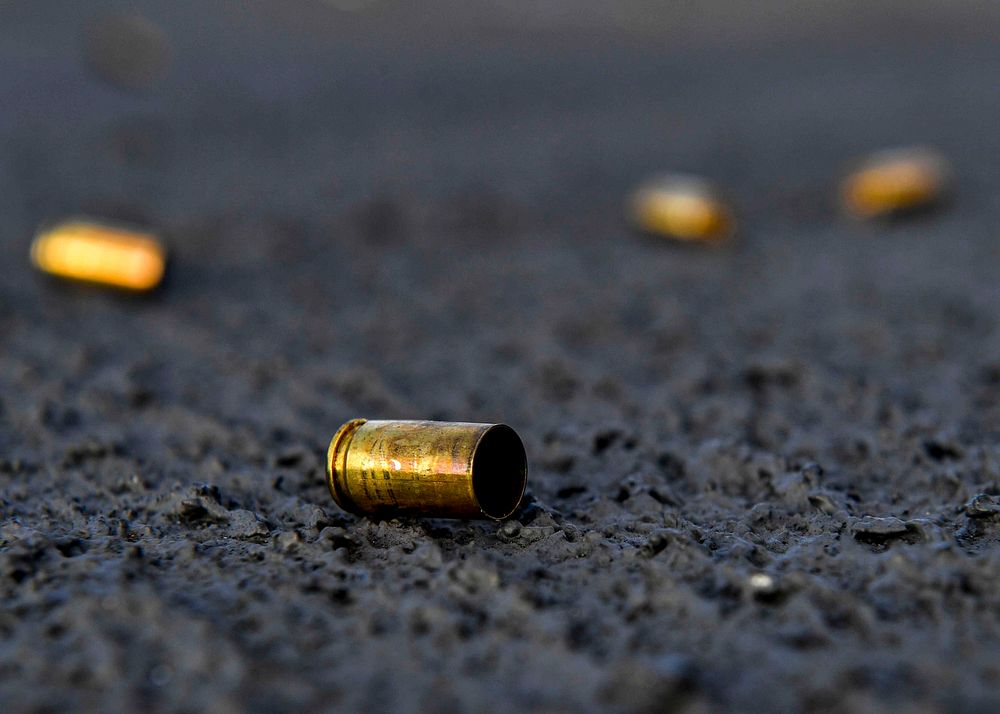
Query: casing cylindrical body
[(427, 468)]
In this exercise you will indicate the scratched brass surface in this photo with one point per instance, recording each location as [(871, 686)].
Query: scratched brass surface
[(427, 468)]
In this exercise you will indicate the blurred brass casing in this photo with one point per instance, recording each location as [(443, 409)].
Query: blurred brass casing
[(681, 207), (895, 181), (93, 252), (427, 468)]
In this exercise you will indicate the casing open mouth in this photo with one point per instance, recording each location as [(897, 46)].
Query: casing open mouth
[(499, 471)]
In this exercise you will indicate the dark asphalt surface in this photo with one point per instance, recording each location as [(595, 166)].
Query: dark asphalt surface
[(402, 213)]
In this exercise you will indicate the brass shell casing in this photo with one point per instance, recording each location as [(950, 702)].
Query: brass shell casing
[(427, 468), (685, 208), (895, 181), (95, 252)]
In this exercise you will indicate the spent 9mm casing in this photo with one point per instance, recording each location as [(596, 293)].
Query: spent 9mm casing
[(92, 251), (893, 182), (685, 208), (427, 468)]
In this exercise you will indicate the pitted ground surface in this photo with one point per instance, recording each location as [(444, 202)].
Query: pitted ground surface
[(411, 224)]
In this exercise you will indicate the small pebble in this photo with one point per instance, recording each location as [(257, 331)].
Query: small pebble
[(982, 506), (873, 529), (896, 181), (509, 530), (685, 208), (764, 587)]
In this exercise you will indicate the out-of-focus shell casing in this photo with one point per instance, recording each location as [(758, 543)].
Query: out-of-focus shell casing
[(427, 468), (94, 252), (685, 208), (896, 181)]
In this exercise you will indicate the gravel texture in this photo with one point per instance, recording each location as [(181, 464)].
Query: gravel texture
[(762, 476)]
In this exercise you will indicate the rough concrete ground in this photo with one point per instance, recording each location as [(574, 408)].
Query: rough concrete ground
[(762, 477)]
